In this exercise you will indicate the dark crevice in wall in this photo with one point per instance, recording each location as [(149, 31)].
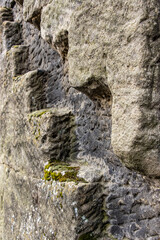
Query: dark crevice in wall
[(96, 90), (61, 44), (20, 2), (36, 19)]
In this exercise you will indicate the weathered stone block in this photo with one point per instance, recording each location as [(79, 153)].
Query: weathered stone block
[(55, 23), (113, 59), (12, 34), (74, 201), (34, 209), (31, 87), (118, 54), (17, 60), (53, 131), (32, 11), (6, 14)]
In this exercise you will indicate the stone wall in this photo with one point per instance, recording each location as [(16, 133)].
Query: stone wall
[(61, 96)]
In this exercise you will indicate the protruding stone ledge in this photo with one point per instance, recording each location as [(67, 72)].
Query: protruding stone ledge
[(5, 15), (17, 60), (53, 132), (71, 209), (95, 89), (32, 89), (12, 34), (79, 210)]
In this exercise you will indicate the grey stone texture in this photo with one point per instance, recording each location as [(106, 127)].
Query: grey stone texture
[(62, 111), (122, 53)]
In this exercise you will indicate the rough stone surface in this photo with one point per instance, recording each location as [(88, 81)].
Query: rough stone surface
[(59, 176), (122, 54)]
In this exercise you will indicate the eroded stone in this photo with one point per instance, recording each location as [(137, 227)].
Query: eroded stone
[(117, 59)]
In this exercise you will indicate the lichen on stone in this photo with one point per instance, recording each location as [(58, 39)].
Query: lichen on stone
[(39, 113), (62, 172)]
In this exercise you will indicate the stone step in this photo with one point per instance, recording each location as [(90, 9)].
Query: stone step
[(31, 88), (6, 14), (17, 60), (72, 209), (10, 30), (77, 205), (53, 132), (11, 34)]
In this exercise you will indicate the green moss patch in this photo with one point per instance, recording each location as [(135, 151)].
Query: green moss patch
[(39, 113), (61, 172)]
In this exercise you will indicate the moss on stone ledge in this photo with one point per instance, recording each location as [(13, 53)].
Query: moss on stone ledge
[(62, 172), (39, 113)]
